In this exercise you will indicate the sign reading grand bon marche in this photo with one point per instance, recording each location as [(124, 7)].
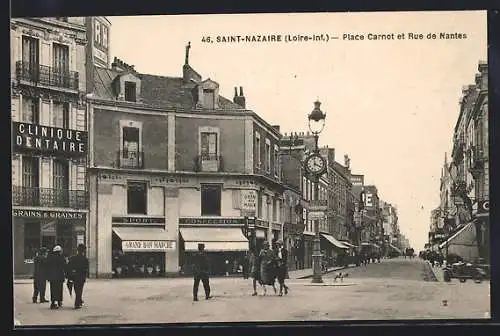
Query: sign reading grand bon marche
[(145, 245), (138, 220), (30, 137), (248, 200), (44, 214)]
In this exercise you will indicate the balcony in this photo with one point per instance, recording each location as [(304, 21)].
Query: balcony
[(208, 163), (131, 159), (48, 197), (47, 76)]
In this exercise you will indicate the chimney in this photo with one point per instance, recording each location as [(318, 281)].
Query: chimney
[(239, 99)]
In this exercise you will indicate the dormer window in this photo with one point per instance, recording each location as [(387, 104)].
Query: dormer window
[(208, 98), (130, 91)]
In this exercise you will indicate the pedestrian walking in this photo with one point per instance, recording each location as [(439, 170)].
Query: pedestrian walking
[(56, 267), (281, 266), (254, 263), (267, 272), (78, 267), (201, 269), (40, 275)]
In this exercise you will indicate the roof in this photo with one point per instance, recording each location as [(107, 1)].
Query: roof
[(156, 91)]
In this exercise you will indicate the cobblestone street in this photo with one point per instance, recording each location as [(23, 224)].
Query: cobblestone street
[(366, 294)]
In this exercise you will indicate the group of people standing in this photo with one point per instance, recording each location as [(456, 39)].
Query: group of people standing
[(53, 267), (267, 266)]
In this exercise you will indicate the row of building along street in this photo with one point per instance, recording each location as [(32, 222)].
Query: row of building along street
[(459, 228), (141, 167)]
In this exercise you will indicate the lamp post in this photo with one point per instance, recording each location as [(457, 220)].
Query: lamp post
[(316, 166)]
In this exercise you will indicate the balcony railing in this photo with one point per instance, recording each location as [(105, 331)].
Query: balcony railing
[(208, 163), (131, 159), (49, 197), (45, 75)]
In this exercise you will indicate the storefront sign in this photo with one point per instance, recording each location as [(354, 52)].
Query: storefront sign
[(138, 220), (30, 137), (148, 245), (45, 214), (261, 223), (212, 221), (249, 200)]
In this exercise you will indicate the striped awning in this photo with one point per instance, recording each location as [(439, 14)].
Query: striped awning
[(331, 239), (466, 236)]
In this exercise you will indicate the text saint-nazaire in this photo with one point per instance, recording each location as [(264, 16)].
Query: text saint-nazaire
[(32, 136)]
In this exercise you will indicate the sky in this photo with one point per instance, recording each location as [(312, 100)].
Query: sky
[(391, 105)]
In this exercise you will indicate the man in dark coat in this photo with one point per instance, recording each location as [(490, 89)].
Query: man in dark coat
[(281, 266), (40, 276), (56, 267), (78, 267), (201, 268)]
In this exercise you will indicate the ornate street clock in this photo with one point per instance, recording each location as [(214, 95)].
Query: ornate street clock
[(315, 164)]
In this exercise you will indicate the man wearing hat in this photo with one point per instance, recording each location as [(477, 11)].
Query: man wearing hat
[(78, 267), (201, 270), (282, 265), (56, 266), (40, 275)]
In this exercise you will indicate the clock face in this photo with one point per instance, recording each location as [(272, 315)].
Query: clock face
[(315, 164)]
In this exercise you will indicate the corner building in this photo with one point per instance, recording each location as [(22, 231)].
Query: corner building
[(49, 138), (173, 164)]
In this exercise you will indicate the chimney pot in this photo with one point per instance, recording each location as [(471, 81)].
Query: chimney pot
[(241, 91), (235, 91)]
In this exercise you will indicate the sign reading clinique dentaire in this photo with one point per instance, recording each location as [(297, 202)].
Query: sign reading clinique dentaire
[(33, 137)]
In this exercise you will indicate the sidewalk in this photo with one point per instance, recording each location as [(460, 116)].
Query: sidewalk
[(437, 271)]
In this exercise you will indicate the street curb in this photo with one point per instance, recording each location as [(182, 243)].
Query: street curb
[(431, 269), (328, 271)]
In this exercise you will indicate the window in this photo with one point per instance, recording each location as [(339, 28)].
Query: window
[(60, 64), (211, 199), (275, 209), (268, 156), (130, 155), (31, 110), (97, 32), (257, 150), (60, 181), (130, 91), (208, 98), (30, 58), (30, 180), (60, 115), (31, 239), (276, 162), (259, 205), (304, 188), (209, 150), (105, 33), (137, 195)]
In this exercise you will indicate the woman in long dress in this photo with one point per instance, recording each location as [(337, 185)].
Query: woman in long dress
[(267, 274)]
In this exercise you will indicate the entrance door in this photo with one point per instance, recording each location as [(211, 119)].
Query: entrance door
[(65, 237)]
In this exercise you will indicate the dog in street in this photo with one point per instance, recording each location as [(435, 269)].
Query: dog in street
[(340, 276)]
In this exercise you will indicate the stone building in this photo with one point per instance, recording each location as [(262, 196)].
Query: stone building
[(172, 164), (49, 144)]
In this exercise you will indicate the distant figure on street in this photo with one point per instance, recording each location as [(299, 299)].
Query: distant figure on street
[(40, 275), (254, 264), (78, 267), (267, 267), (56, 267), (201, 269), (281, 266)]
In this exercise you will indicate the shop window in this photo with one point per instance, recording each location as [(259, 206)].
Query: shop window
[(31, 110), (137, 193), (211, 199), (130, 91), (60, 113), (31, 239)]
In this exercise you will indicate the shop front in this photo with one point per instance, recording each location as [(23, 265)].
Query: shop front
[(226, 247), (462, 243), (141, 251), (335, 251), (34, 228), (308, 249)]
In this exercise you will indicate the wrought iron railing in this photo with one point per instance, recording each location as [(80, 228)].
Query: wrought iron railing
[(208, 162), (49, 197), (131, 159), (45, 75)]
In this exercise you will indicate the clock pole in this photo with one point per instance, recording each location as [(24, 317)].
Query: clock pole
[(316, 125)]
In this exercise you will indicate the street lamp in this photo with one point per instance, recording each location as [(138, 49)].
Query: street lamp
[(315, 165)]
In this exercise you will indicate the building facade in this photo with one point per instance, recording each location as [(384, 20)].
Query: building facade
[(49, 129), (169, 168)]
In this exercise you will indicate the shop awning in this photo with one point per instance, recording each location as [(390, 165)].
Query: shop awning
[(395, 248), (215, 239), (346, 243), (466, 236), (334, 241), (138, 239)]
